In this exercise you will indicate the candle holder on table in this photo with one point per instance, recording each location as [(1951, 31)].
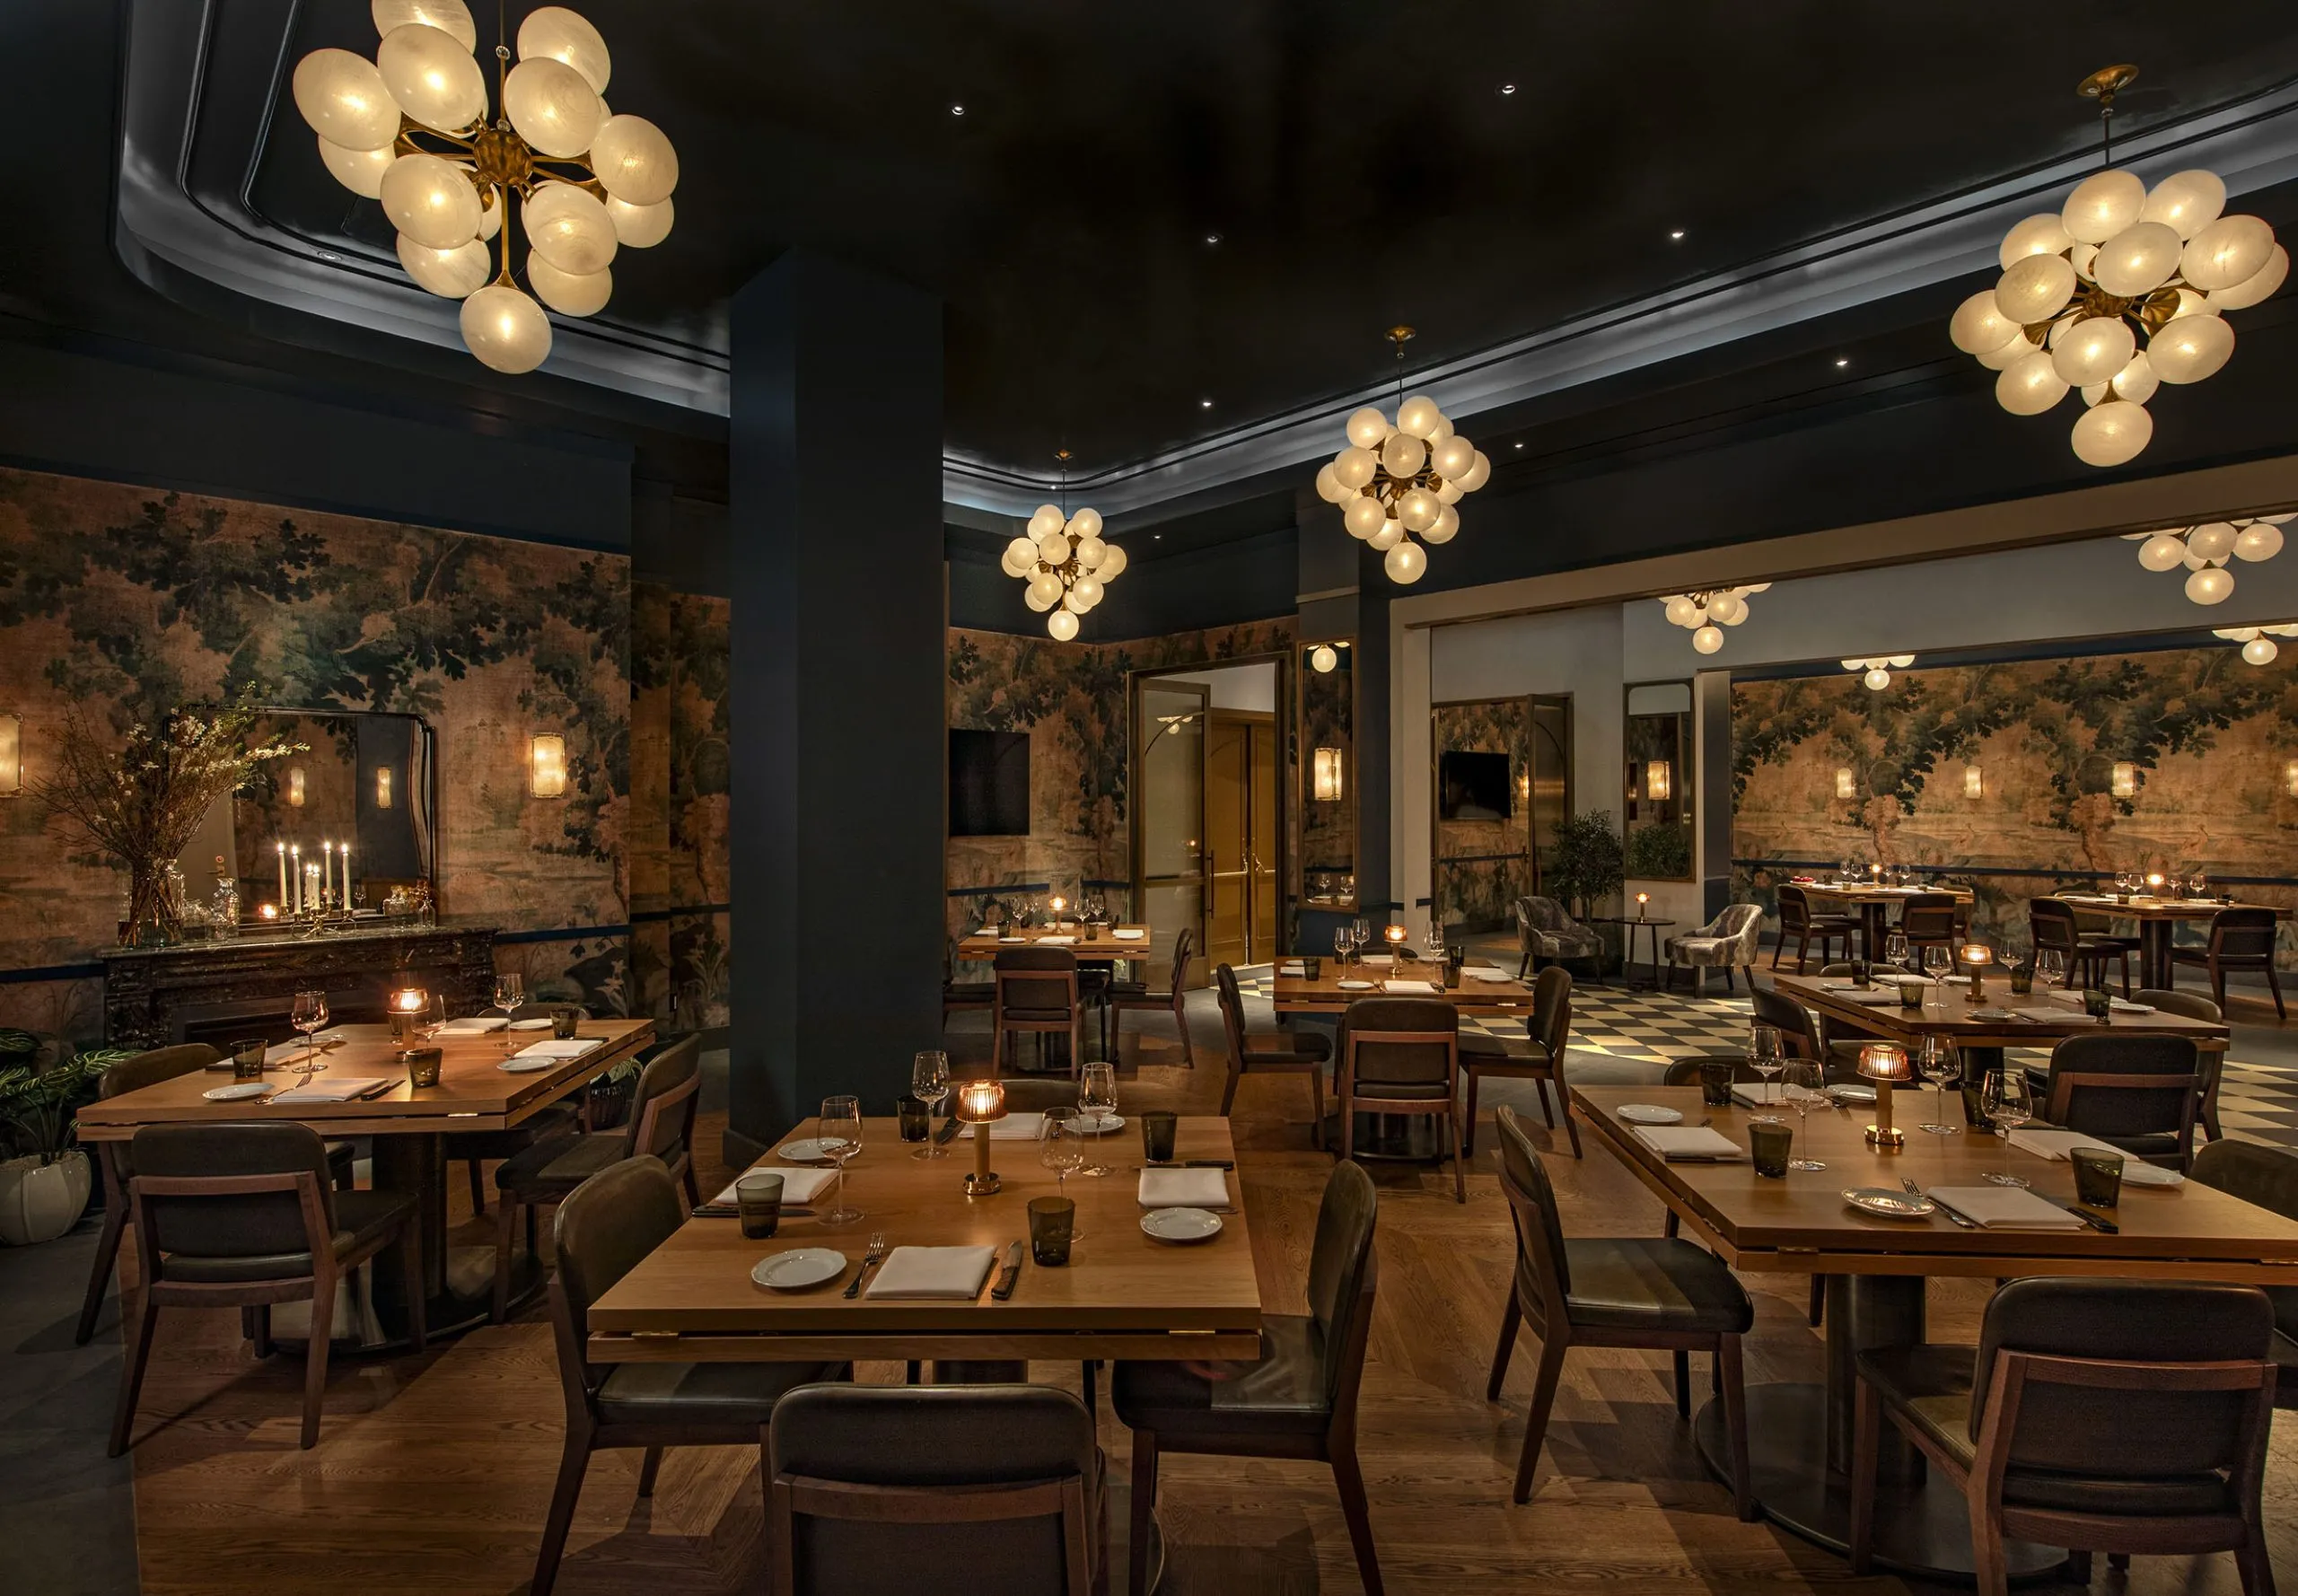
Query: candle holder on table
[(981, 1104), (1885, 1063)]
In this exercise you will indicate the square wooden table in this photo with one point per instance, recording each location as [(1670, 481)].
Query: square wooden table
[(1094, 945), (1325, 994), (1121, 1295), (1873, 905), (1800, 1435), (2157, 918)]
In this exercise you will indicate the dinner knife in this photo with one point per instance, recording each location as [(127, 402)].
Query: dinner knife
[(2104, 1226), (1188, 1163), (1009, 1277), (949, 1131)]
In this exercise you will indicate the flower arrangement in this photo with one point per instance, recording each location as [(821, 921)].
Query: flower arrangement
[(141, 806)]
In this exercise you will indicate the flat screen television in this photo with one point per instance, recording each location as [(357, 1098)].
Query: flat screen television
[(990, 784), (1473, 787)]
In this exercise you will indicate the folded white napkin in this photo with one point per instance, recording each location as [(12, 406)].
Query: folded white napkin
[(2006, 1207), (1293, 968), (1689, 1144), (328, 1089), (1759, 1094), (2056, 1144), (571, 1047), (800, 1186), (1128, 935), (281, 1052), (1409, 987), (1873, 997), (1185, 1188), (1013, 1127), (932, 1272), (1055, 942), (1485, 973), (2074, 1000), (475, 1025)]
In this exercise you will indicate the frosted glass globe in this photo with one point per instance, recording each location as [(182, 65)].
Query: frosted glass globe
[(1390, 534), (2035, 289), (569, 228), (1323, 658), (2113, 434), (640, 226), (2257, 541), (1899, 662), (2191, 348), (1364, 516), (1112, 565), (2225, 252), (1021, 558), (2102, 205), (555, 110), (1089, 552), (1405, 564), (1328, 488), (2185, 202), (2255, 288), (2234, 634), (1075, 602), (2030, 387), (1403, 454), (1680, 610), (1440, 432), (1707, 639), (2163, 552), (1419, 508), (2083, 258), (1978, 325), (1445, 528), (431, 201), (1477, 475), (2212, 541), (1061, 624), (2260, 650), (2137, 382), (451, 17), (1053, 549), (1727, 609), (2094, 350), (557, 32), (492, 203), (1085, 523), (1877, 678), (2209, 585), (505, 329), (1045, 521), (2011, 353), (343, 97), (2044, 234), (432, 76), (1418, 416), (565, 292), (1453, 456), (1354, 466), (1046, 588), (634, 160), (451, 274), (1038, 601), (359, 171), (1448, 489), (1368, 429), (2138, 260)]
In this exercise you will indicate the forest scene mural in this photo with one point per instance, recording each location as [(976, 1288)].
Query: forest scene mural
[(680, 727), (2031, 775), (1484, 865)]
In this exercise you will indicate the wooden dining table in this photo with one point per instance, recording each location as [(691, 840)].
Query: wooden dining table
[(1092, 944), (2158, 918), (1326, 993), (408, 1126), (1872, 903), (1800, 1434)]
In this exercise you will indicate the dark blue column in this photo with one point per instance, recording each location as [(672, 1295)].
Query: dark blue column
[(835, 439)]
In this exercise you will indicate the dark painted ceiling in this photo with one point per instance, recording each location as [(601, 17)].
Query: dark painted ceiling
[(1359, 163)]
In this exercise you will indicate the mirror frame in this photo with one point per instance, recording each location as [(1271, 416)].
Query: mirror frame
[(1305, 774)]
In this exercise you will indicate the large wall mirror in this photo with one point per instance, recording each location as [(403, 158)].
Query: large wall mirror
[(367, 779), (1656, 815), (1326, 737)]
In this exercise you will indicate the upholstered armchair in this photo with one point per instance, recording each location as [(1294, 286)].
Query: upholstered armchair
[(1727, 941), (1544, 931)]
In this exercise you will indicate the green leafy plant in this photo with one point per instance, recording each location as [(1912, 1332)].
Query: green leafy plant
[(1660, 852), (1589, 864)]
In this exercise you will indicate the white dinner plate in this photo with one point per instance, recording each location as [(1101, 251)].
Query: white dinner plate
[(1650, 1114), (515, 1065), (1099, 1125), (799, 1269), (1130, 937), (808, 1150), (1358, 985), (2134, 1173), (1181, 1225), (1013, 939), (237, 1092), (1884, 1203), (529, 1025)]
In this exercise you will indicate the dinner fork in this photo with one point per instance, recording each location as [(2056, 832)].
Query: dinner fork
[(876, 1252), (1914, 1190)]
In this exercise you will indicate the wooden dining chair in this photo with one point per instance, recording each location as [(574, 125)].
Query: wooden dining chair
[(475, 1149), (1401, 1055), (1929, 920), (1796, 921), (2117, 1415), (961, 995), (2240, 939), (1651, 1294), (2051, 925), (2135, 1092), (2265, 1177), (1800, 1036), (1283, 1053), (2210, 1063), (1038, 995), (994, 1489), (233, 1216), (604, 1228), (1298, 1400), (1122, 997), (1538, 1058)]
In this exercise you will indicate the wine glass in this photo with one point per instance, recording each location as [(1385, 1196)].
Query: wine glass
[(309, 1016), (1895, 950), (2010, 1102), (1343, 939), (1937, 961), (840, 1131), (1764, 1056), (435, 1017), (1062, 1151), (1938, 1064), (2050, 965), (1097, 1100), (2198, 884), (509, 989), (1805, 1092), (929, 1083), (1361, 932), (1433, 941)]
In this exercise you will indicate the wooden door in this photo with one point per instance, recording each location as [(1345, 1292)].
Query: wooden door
[(1261, 842), (1228, 838)]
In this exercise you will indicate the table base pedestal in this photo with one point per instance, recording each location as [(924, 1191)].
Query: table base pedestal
[(1922, 1526)]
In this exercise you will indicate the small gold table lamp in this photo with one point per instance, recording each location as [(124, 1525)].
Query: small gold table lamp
[(1643, 904), (1059, 905), (409, 1008), (1885, 1063), (1975, 957), (1395, 935), (2155, 881), (980, 1104)]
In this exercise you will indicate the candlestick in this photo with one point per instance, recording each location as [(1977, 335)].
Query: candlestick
[(282, 873), (308, 900), (344, 853), (327, 874), (295, 854)]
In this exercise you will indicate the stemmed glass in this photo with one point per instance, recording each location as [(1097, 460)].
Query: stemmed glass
[(1361, 933), (1936, 962), (1063, 1151), (1895, 950), (1805, 1092), (1433, 942), (929, 1083), (1343, 939), (1764, 1056), (841, 1139), (434, 1018), (2198, 884), (1939, 1064), (509, 990), (1097, 1099), (2050, 965), (2010, 1102), (309, 1016)]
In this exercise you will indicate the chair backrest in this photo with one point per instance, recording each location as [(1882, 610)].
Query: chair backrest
[(602, 1232), (1184, 954), (1232, 1012), (1342, 1279), (1550, 1021), (874, 1487), (1685, 1072), (233, 1190), (2192, 1005), (1798, 1035), (1400, 1042), (2051, 924), (1525, 942), (133, 1074), (2265, 1176), (1531, 1201), (2192, 1395), (2242, 933), (1795, 909), (663, 1103), (1037, 983), (2133, 1085), (1739, 922), (1928, 917)]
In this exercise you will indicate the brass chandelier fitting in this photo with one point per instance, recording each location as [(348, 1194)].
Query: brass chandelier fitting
[(1402, 480), (1065, 560)]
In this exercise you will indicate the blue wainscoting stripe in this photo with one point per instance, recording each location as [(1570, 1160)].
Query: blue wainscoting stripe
[(648, 917), (994, 887), (51, 972), (563, 934), (2046, 870)]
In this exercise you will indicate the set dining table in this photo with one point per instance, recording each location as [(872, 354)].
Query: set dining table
[(1336, 985), (2158, 918), (1092, 944), (1872, 902)]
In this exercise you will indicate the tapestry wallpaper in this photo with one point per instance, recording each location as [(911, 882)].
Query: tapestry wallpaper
[(1482, 866), (2086, 765), (680, 730)]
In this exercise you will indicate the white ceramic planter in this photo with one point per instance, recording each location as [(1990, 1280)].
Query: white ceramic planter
[(40, 1202)]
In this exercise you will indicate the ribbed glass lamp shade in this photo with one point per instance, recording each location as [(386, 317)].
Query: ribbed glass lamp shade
[(343, 97), (505, 329), (555, 31), (432, 76), (635, 161)]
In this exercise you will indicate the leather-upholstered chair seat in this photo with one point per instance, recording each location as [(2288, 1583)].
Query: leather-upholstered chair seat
[(1285, 1053), (1536, 1057)]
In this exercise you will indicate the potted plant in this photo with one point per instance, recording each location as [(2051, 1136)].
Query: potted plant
[(1588, 863), (44, 1187), (1660, 852)]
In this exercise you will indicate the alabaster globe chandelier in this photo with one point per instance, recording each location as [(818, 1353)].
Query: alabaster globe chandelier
[(412, 128), (2259, 646), (1877, 672), (2122, 289), (2206, 551), (1399, 480), (1065, 561), (1707, 610)]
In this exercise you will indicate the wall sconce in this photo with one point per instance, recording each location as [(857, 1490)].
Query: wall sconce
[(1974, 784), (1655, 779), (2123, 782), (295, 786), (12, 756), (546, 766), (382, 786), (1325, 779), (1845, 786), (2290, 779)]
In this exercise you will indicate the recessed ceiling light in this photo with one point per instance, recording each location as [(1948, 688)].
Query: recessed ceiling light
[(1156, 537), (1520, 445), (1205, 404), (957, 110), (1677, 235), (1211, 238), (1842, 360), (1507, 88)]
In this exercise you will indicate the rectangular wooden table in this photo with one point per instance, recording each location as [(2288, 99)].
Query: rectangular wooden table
[(1121, 1295), (2157, 918), (1092, 944), (1873, 905), (1325, 994), (1799, 1435), (473, 1093)]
